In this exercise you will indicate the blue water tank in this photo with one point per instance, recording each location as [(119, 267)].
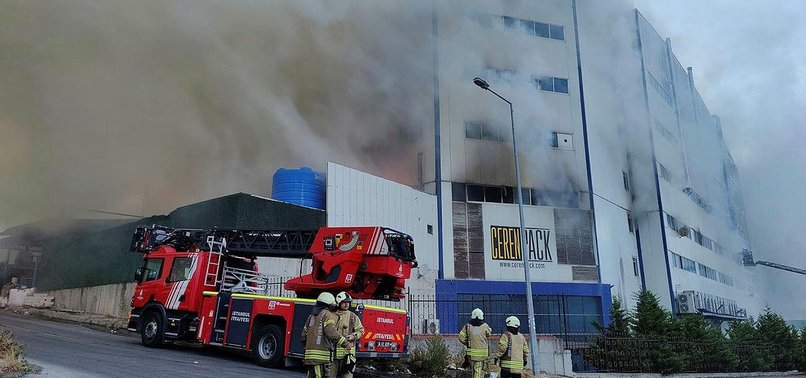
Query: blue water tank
[(301, 186)]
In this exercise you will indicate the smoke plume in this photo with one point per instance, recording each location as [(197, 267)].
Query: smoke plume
[(141, 107)]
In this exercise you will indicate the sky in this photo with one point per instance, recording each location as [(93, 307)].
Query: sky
[(748, 59)]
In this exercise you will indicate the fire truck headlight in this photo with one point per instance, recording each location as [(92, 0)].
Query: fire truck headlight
[(393, 348), (371, 345)]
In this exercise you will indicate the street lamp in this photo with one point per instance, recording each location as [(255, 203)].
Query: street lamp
[(529, 301)]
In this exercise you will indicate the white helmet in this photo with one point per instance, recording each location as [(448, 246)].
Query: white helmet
[(342, 297), (477, 314), (326, 298), (513, 321)]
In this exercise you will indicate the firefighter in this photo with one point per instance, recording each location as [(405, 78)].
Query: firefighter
[(513, 351), (349, 326), (320, 334), (474, 336)]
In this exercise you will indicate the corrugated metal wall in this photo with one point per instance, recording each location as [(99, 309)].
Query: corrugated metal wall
[(102, 257)]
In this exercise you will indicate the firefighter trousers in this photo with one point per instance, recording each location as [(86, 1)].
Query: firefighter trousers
[(477, 368), (318, 371), (341, 369), (506, 374)]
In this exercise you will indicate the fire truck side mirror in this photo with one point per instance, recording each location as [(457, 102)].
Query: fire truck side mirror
[(138, 275)]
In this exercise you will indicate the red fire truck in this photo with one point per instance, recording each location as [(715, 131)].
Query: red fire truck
[(203, 285)]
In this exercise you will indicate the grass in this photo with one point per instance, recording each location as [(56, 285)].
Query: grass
[(11, 360)]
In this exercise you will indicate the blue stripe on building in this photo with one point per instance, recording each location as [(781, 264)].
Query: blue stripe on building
[(560, 307)]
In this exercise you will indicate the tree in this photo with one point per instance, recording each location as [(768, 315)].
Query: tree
[(704, 347), (619, 321), (654, 326), (650, 320), (610, 350), (802, 351), (781, 337), (743, 339)]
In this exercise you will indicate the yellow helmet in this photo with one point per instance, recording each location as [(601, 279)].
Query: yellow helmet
[(513, 321), (477, 314), (326, 298)]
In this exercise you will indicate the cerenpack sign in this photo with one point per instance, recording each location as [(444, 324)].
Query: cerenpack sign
[(505, 244), (502, 245)]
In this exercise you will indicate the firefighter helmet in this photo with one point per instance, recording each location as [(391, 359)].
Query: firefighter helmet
[(343, 297), (327, 299), (477, 314), (513, 321)]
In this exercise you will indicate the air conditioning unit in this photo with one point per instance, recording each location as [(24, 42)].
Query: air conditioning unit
[(431, 326), (685, 303), (683, 232)]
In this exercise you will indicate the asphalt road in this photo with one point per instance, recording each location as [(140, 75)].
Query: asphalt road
[(72, 350)]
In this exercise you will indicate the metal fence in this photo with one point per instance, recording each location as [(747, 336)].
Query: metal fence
[(446, 315), (632, 354)]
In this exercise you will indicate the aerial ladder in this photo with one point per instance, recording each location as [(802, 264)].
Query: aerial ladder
[(747, 260)]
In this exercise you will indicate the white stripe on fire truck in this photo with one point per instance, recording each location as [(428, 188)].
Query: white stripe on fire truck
[(373, 250), (170, 295)]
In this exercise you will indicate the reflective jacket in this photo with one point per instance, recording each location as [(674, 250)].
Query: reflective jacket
[(348, 324), (513, 351), (475, 339), (320, 334)]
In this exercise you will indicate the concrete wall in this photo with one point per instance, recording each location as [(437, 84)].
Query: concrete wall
[(111, 300)]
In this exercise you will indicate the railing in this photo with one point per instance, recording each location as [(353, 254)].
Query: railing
[(243, 281), (551, 313)]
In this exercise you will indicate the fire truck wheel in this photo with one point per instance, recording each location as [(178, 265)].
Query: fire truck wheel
[(151, 333), (267, 346)]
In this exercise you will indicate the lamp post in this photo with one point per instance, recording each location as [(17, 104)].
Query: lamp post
[(529, 301)]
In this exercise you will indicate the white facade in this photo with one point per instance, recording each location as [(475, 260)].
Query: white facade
[(654, 151)]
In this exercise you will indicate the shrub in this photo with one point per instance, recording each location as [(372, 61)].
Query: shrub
[(430, 360), (11, 354)]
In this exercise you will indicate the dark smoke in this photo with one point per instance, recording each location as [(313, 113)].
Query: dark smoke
[(141, 107)]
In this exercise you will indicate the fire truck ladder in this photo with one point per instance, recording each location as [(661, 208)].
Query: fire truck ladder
[(250, 244), (266, 243), (217, 248), (747, 260)]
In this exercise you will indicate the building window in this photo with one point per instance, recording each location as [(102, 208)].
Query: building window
[(707, 272), (458, 191), (508, 195), (534, 28), (555, 198), (626, 180), (475, 193), (551, 84), (485, 131), (629, 223), (635, 266), (666, 133), (684, 263), (557, 32), (671, 222), (492, 194), (498, 75), (664, 173), (725, 279), (660, 90)]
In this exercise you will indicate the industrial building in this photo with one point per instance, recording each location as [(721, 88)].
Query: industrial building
[(628, 183)]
